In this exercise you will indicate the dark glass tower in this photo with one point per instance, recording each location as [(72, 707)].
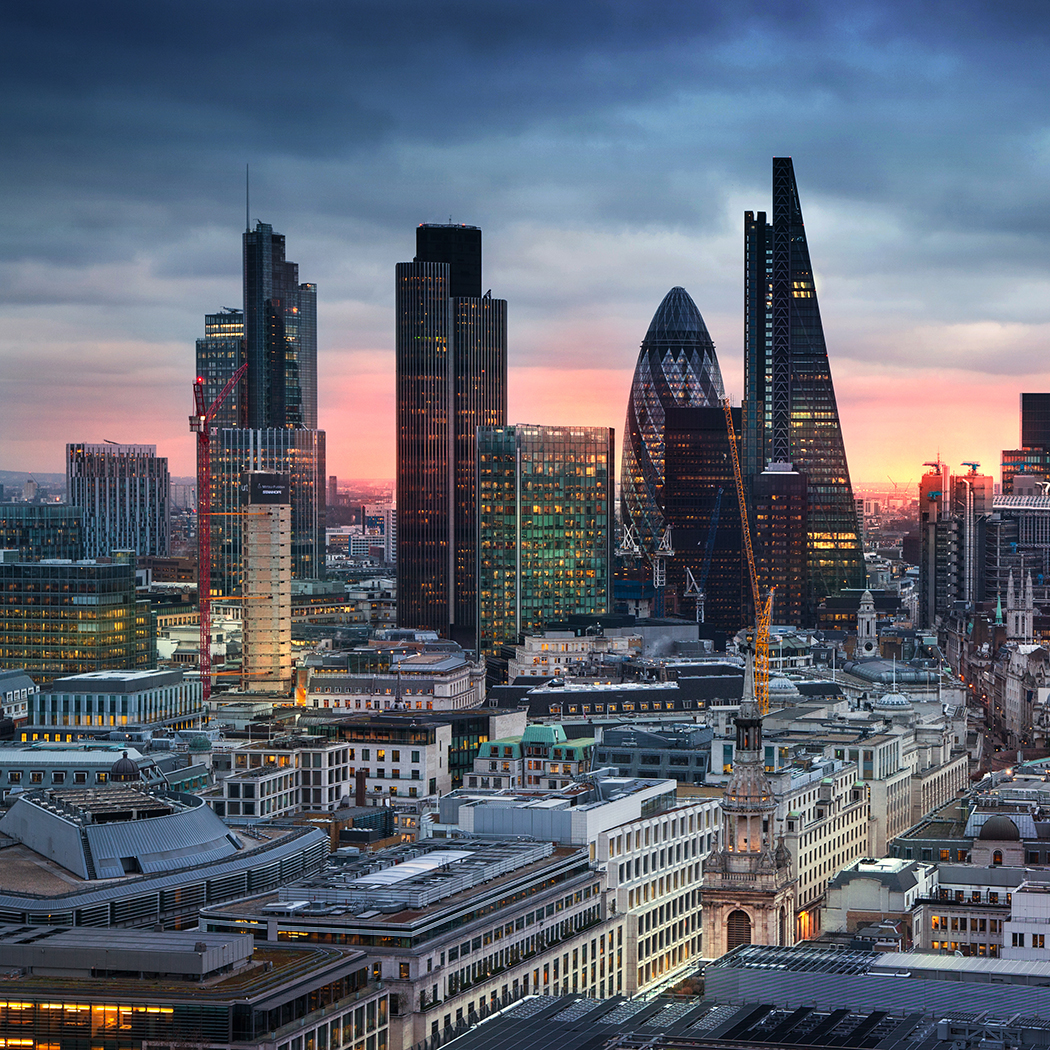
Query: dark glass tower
[(790, 415), (451, 348), (280, 335), (700, 505), (676, 368), (269, 420)]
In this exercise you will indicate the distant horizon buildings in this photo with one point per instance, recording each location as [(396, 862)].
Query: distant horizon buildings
[(790, 416), (451, 362)]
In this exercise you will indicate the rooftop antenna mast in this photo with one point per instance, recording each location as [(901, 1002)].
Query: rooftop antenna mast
[(247, 202)]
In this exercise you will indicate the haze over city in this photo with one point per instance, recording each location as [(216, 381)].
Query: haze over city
[(608, 150)]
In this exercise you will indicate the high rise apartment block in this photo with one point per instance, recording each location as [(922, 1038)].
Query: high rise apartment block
[(124, 493), (790, 414), (544, 528), (451, 349)]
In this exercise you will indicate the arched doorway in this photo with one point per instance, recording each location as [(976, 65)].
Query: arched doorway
[(738, 929)]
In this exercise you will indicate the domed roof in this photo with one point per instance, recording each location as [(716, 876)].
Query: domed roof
[(782, 687), (124, 770), (1000, 828), (678, 317), (892, 702)]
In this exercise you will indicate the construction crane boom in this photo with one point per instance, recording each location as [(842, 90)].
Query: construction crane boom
[(200, 424), (763, 609)]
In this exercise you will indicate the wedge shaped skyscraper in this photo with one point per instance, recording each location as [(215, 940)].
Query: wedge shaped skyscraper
[(790, 418), (677, 368)]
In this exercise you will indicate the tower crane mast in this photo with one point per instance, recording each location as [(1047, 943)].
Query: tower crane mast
[(763, 609), (200, 424)]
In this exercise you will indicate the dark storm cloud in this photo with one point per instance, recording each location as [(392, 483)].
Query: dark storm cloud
[(607, 148)]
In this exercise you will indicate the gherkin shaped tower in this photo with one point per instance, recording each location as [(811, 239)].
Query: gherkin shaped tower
[(677, 368)]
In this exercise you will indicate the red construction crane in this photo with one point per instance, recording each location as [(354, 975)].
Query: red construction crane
[(200, 424)]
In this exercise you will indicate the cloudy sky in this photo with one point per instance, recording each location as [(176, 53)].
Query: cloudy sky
[(608, 151)]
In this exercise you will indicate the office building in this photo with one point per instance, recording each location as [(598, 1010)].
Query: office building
[(280, 335), (267, 585), (95, 703), (67, 617), (300, 455), (42, 530), (676, 368), (451, 349), (706, 575), (124, 494), (544, 528), (780, 502), (189, 988), (789, 411), (1032, 459), (469, 926), (219, 354)]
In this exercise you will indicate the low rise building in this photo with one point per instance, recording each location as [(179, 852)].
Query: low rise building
[(180, 989), (455, 930), (541, 759), (29, 767), (16, 688), (675, 751), (872, 891)]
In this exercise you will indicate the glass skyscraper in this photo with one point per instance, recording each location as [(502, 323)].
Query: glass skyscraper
[(676, 368), (280, 335), (544, 528), (789, 410), (451, 350), (268, 422)]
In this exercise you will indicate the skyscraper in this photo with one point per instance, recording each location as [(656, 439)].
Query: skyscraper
[(700, 504), (676, 368), (269, 420), (451, 350), (790, 415), (280, 335), (544, 528), (124, 493)]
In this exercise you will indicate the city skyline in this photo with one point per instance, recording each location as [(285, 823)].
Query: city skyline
[(920, 142)]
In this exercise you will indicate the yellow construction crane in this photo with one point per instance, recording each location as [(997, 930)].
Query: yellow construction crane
[(763, 608)]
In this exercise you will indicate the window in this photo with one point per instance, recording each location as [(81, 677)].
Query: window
[(36, 776), (403, 971), (80, 776), (1018, 940), (14, 776), (1038, 940)]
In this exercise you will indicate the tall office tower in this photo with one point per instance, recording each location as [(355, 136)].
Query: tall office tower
[(939, 538), (1033, 457), (124, 492), (451, 348), (544, 528), (790, 415), (219, 354), (280, 335), (299, 454), (269, 420), (700, 505), (267, 585), (779, 505), (676, 368), (971, 504)]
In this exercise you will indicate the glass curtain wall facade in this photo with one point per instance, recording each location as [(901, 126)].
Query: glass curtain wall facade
[(298, 453), (219, 354), (676, 368), (451, 350), (700, 505), (42, 530), (124, 492), (790, 413), (68, 618), (544, 528), (280, 335)]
